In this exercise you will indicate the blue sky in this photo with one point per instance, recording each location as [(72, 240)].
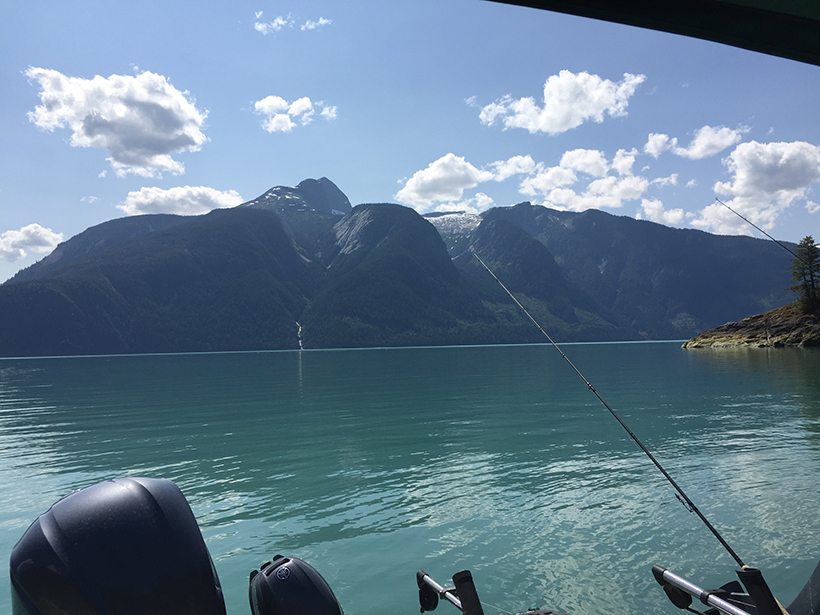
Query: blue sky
[(114, 109)]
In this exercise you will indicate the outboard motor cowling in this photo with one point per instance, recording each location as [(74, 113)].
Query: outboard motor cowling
[(290, 586), (130, 546)]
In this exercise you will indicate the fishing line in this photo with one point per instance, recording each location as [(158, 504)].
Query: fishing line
[(761, 230), (682, 496)]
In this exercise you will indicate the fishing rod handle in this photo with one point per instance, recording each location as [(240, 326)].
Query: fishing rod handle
[(664, 576), (465, 588)]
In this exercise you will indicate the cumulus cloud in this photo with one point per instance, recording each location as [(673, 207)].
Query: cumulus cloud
[(583, 179), (570, 99), (767, 178), (624, 160), (283, 116), (140, 120), (589, 161), (707, 141), (609, 192), (657, 144), (182, 200), (442, 181), (36, 238), (654, 211), (504, 169), (546, 179), (442, 184), (599, 187)]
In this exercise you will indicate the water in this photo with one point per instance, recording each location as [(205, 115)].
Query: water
[(372, 464)]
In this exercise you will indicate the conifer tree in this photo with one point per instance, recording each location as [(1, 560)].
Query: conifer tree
[(806, 272)]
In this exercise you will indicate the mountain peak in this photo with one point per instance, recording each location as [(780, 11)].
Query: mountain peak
[(317, 195)]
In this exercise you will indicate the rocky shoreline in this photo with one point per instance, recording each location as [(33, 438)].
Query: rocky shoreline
[(782, 327)]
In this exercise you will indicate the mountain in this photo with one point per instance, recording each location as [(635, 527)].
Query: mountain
[(529, 270), (664, 283), (229, 280), (299, 267), (313, 195), (307, 211), (251, 277), (98, 239), (390, 282)]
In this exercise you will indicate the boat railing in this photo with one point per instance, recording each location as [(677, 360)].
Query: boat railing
[(680, 592)]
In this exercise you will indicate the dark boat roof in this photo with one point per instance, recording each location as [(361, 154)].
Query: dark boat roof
[(786, 28)]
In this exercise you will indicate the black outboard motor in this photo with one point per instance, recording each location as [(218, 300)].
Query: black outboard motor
[(290, 586), (130, 546)]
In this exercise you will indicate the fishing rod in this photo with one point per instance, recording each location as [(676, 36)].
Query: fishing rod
[(690, 505)]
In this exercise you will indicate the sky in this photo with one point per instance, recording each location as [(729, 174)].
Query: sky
[(113, 109)]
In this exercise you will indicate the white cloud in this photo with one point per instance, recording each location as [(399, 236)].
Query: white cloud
[(624, 160), (270, 27), (672, 180), (141, 120), (607, 191), (312, 25), (706, 142), (546, 179), (589, 161), (583, 179), (657, 144), (767, 179), (812, 207), (282, 116), (709, 141), (182, 200), (443, 180), (280, 23), (653, 210), (781, 170), (612, 191), (89, 199), (569, 100), (14, 244), (504, 169)]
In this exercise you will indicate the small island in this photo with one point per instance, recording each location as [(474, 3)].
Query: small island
[(785, 326), (795, 324)]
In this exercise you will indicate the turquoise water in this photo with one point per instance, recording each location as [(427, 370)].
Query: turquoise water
[(372, 464)]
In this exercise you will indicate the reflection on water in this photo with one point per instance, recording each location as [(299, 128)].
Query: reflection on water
[(373, 464)]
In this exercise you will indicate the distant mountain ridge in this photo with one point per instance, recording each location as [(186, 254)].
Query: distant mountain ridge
[(99, 239), (299, 267), (666, 283)]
